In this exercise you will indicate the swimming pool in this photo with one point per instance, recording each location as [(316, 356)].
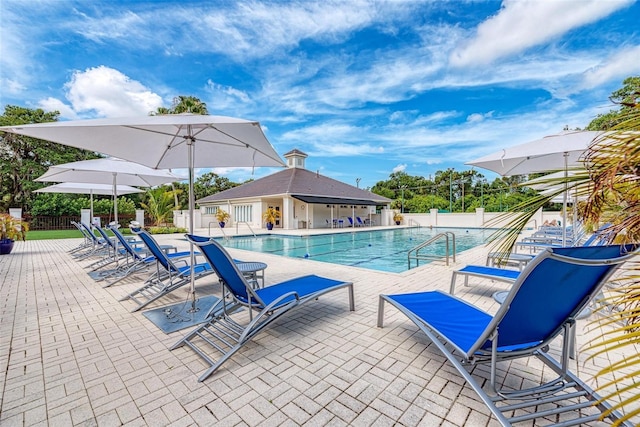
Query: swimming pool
[(383, 250)]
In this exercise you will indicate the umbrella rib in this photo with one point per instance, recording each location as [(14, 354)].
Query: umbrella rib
[(246, 144), (182, 138)]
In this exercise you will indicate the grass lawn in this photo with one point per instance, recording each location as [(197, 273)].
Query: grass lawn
[(53, 234), (70, 234)]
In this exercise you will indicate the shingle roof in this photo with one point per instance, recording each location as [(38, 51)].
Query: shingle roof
[(296, 182)]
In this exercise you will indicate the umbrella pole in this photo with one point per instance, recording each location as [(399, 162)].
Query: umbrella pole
[(91, 205), (115, 213), (192, 287), (564, 200), (115, 197)]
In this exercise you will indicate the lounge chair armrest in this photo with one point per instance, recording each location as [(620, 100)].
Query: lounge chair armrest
[(276, 302), (265, 312), (180, 261)]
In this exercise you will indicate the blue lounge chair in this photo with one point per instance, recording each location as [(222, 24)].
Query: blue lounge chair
[(112, 254), (223, 335), (542, 305), (97, 246), (136, 258), (87, 239), (168, 276), (599, 237)]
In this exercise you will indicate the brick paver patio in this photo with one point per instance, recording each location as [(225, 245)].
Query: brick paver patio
[(72, 354)]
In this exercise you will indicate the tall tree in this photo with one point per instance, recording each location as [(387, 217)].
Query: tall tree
[(188, 104), (211, 183), (183, 104), (625, 99), (22, 159)]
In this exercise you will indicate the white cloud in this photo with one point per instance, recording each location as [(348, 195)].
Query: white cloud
[(520, 25), (12, 86), (400, 168), (53, 104), (478, 117), (621, 64), (226, 99), (105, 92), (241, 30)]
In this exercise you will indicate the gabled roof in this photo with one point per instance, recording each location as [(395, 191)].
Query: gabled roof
[(302, 184)]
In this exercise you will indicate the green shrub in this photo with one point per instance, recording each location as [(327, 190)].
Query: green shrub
[(166, 230)]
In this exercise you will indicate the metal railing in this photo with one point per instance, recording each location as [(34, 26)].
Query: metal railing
[(414, 253), (63, 222), (224, 235), (413, 223), (248, 226)]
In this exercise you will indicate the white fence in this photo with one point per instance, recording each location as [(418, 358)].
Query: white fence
[(477, 219)]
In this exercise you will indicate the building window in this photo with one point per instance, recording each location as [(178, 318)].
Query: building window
[(243, 213)]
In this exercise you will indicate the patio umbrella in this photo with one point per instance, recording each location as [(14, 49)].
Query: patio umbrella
[(552, 153), (166, 141), (108, 170), (91, 189)]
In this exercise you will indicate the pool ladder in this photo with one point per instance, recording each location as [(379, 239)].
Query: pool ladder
[(414, 253)]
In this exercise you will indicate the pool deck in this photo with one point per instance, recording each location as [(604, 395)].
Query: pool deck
[(72, 354)]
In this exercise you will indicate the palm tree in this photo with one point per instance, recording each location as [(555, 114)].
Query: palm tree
[(182, 104), (159, 205), (610, 184), (188, 104)]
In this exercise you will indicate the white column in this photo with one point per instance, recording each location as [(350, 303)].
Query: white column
[(479, 217), (140, 216), (16, 213), (85, 216), (434, 217)]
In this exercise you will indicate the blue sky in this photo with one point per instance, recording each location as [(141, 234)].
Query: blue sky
[(365, 88)]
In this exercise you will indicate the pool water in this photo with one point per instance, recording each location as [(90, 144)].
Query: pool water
[(383, 250)]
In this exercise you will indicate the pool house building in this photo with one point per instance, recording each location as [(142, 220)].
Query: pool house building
[(305, 199)]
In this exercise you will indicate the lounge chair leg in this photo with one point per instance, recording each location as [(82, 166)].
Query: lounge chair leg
[(452, 288), (381, 312), (352, 306)]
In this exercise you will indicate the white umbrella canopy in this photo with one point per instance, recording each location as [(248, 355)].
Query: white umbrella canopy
[(108, 170), (91, 189), (166, 141), (551, 153), (101, 171), (84, 188), (163, 141)]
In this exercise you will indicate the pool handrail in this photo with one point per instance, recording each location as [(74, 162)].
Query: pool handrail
[(439, 236)]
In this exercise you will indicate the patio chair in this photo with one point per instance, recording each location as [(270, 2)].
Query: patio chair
[(87, 240), (519, 260), (542, 305), (168, 276), (97, 246), (224, 335), (539, 242), (136, 258), (361, 223), (112, 253)]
